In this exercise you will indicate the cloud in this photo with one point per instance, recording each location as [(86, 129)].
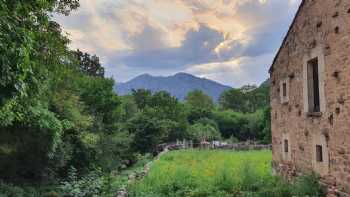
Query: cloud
[(237, 72), (198, 47), (165, 36)]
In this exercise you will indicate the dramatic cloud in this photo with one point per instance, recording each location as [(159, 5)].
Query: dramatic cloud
[(232, 41)]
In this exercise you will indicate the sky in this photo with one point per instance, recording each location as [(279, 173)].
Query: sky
[(229, 41)]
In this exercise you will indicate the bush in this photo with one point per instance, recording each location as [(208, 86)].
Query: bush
[(308, 185), (89, 185), (10, 191), (203, 132)]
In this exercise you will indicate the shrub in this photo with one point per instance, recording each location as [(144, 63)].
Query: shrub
[(203, 132), (10, 190), (7, 190), (308, 185), (89, 185)]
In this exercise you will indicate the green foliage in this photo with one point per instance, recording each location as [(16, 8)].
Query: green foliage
[(9, 190), (199, 99), (89, 185), (267, 137), (308, 185), (89, 65), (128, 108), (161, 118), (114, 150), (249, 126), (141, 97), (199, 105), (203, 132), (220, 173), (246, 99), (56, 108), (150, 130)]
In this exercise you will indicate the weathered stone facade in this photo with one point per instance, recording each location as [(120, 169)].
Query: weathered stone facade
[(310, 93)]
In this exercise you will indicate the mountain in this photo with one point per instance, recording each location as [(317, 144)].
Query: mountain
[(177, 85)]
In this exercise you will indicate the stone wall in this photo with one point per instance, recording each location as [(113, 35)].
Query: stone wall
[(321, 29)]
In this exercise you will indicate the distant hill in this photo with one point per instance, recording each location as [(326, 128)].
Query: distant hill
[(177, 85)]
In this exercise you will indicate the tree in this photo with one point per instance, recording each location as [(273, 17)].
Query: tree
[(149, 131), (203, 132), (233, 99), (229, 122), (141, 97), (161, 119), (52, 115), (128, 108), (199, 105), (32, 52), (247, 99), (198, 98), (267, 137), (26, 30), (89, 65), (98, 95)]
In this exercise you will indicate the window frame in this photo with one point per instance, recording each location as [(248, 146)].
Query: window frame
[(313, 85), (319, 153), (286, 146), (284, 90), (317, 52)]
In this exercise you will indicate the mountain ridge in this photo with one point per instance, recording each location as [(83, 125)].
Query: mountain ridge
[(177, 85)]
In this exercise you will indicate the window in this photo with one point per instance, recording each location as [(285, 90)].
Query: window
[(286, 146), (319, 153), (313, 85), (284, 89)]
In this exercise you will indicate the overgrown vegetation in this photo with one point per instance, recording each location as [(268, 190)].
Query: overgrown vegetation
[(219, 173)]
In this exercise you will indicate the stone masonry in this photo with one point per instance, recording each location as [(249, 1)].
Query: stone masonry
[(310, 95)]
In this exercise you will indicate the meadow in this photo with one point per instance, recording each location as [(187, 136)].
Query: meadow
[(202, 173)]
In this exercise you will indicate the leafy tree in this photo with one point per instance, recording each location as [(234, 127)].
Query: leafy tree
[(26, 38), (229, 122), (114, 150), (161, 119), (207, 121), (198, 98), (32, 50), (149, 131), (101, 101), (233, 99), (267, 137), (52, 115), (203, 132), (127, 109), (141, 97), (199, 105), (89, 65), (247, 99)]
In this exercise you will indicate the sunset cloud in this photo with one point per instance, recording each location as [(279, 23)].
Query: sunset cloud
[(204, 37)]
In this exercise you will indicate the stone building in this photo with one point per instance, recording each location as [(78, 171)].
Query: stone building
[(310, 95)]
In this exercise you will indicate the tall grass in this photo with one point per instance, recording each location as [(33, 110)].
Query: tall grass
[(198, 173)]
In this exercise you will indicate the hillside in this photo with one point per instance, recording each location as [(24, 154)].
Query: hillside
[(177, 85)]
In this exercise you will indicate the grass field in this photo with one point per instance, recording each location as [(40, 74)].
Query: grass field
[(201, 173)]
